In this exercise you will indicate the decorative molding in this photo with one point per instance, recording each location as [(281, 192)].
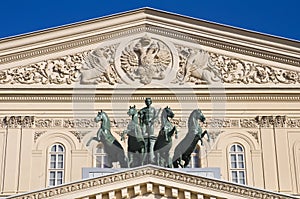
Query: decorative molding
[(254, 134), (37, 134), (117, 123), (79, 134), (18, 121), (64, 70), (226, 46), (249, 123), (143, 59), (233, 70), (167, 32), (272, 121), (162, 98), (155, 172), (293, 123)]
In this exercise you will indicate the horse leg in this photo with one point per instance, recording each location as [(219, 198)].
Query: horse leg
[(158, 158), (186, 161), (208, 137), (202, 135), (130, 159), (91, 139), (143, 155)]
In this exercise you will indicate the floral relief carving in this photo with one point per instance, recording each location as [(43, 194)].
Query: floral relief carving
[(64, 70), (19, 121), (254, 134), (233, 70), (37, 134), (273, 121)]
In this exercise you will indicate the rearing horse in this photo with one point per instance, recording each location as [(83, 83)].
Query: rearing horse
[(112, 147), (185, 148), (136, 142), (163, 143)]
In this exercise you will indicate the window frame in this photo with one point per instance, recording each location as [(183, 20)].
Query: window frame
[(100, 154), (56, 165), (237, 164)]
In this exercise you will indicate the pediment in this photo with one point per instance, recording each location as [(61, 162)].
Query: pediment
[(151, 182), (148, 48)]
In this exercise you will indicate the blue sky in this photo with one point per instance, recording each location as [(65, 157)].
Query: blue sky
[(275, 17)]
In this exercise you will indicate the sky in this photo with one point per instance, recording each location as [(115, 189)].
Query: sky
[(279, 18)]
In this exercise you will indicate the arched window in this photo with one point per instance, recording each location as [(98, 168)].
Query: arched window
[(56, 164), (100, 156), (195, 160), (237, 164)]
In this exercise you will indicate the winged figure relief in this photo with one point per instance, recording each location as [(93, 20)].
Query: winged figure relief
[(146, 59), (196, 67), (99, 67)]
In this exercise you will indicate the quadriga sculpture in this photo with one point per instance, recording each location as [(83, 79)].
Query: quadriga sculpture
[(187, 145), (163, 143), (112, 147), (136, 143)]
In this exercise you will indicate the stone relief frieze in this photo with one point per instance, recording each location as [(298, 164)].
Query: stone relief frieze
[(144, 59), (64, 70), (99, 66), (274, 121), (233, 70), (213, 123), (194, 67), (18, 121), (217, 126)]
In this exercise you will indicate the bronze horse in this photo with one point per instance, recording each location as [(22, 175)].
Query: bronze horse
[(112, 147), (163, 143), (136, 142), (185, 148)]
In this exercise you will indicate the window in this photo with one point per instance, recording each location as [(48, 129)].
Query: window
[(100, 157), (237, 164), (195, 161), (56, 164)]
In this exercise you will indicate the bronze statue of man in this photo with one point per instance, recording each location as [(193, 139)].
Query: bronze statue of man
[(147, 116)]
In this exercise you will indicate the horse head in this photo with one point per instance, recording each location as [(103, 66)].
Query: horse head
[(103, 117), (194, 117), (132, 110), (200, 115), (167, 112), (99, 116)]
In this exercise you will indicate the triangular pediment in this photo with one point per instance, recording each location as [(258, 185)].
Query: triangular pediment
[(151, 182), (148, 48)]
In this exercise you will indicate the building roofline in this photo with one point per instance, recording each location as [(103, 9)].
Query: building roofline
[(166, 14)]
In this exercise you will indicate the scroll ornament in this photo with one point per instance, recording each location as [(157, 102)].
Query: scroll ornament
[(233, 71)]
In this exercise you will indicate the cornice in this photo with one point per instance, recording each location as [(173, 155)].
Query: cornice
[(163, 30), (251, 98), (155, 172)]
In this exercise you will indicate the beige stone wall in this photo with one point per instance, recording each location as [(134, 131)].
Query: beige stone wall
[(271, 143)]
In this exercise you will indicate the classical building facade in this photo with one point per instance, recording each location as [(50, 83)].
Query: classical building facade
[(54, 82)]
